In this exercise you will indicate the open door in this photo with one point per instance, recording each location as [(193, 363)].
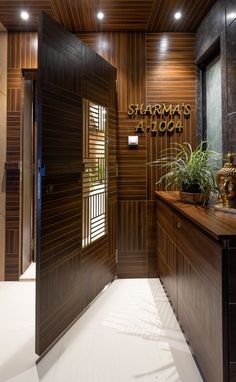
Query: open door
[(28, 191), (59, 198), (73, 82)]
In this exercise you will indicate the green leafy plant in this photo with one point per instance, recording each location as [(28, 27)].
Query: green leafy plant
[(187, 169)]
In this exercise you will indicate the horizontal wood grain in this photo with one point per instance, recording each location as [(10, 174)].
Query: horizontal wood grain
[(69, 277), (170, 79)]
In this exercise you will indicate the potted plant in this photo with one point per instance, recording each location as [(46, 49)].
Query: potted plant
[(192, 172)]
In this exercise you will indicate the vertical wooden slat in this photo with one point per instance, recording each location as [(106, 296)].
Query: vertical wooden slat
[(120, 15)]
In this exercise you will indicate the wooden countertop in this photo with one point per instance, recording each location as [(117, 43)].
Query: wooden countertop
[(220, 225)]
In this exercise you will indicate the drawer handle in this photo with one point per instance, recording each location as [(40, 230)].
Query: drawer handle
[(178, 225)]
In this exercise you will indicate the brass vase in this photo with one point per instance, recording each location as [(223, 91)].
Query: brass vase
[(226, 183)]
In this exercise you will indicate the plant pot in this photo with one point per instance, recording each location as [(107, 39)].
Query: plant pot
[(191, 187), (194, 197)]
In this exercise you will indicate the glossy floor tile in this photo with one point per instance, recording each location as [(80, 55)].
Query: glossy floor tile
[(128, 334), (29, 274)]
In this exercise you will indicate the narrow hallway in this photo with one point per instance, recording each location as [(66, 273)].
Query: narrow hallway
[(128, 334)]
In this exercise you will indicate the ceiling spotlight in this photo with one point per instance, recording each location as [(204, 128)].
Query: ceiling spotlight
[(178, 15), (100, 15), (24, 15)]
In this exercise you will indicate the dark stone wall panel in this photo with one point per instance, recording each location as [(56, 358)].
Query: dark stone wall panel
[(231, 66), (219, 29), (230, 11), (231, 132), (210, 28)]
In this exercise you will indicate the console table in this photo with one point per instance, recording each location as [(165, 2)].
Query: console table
[(196, 249)]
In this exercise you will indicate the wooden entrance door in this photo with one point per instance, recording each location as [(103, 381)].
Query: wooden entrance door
[(68, 277), (59, 199)]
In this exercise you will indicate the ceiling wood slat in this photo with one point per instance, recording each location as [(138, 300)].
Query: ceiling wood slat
[(119, 15)]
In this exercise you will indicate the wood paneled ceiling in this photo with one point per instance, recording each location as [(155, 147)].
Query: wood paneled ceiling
[(120, 15)]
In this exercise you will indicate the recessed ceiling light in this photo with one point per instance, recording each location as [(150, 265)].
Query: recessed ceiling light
[(178, 15), (24, 15), (100, 15)]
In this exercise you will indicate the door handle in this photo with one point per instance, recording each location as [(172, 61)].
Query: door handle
[(49, 188)]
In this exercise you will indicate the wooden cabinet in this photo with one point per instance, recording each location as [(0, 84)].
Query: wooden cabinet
[(167, 251), (199, 297), (197, 266)]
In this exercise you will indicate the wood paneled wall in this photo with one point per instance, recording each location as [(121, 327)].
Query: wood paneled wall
[(171, 78), (151, 68), (22, 53)]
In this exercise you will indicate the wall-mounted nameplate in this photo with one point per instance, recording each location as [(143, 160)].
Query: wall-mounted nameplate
[(161, 119)]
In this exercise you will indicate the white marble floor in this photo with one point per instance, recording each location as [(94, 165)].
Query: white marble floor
[(128, 334), (29, 274)]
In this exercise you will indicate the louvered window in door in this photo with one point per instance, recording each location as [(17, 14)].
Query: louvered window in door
[(95, 176)]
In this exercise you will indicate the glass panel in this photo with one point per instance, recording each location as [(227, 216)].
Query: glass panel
[(214, 105), (95, 176)]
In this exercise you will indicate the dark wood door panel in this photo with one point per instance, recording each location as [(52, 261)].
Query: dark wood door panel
[(59, 200), (62, 130), (60, 302), (68, 278)]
